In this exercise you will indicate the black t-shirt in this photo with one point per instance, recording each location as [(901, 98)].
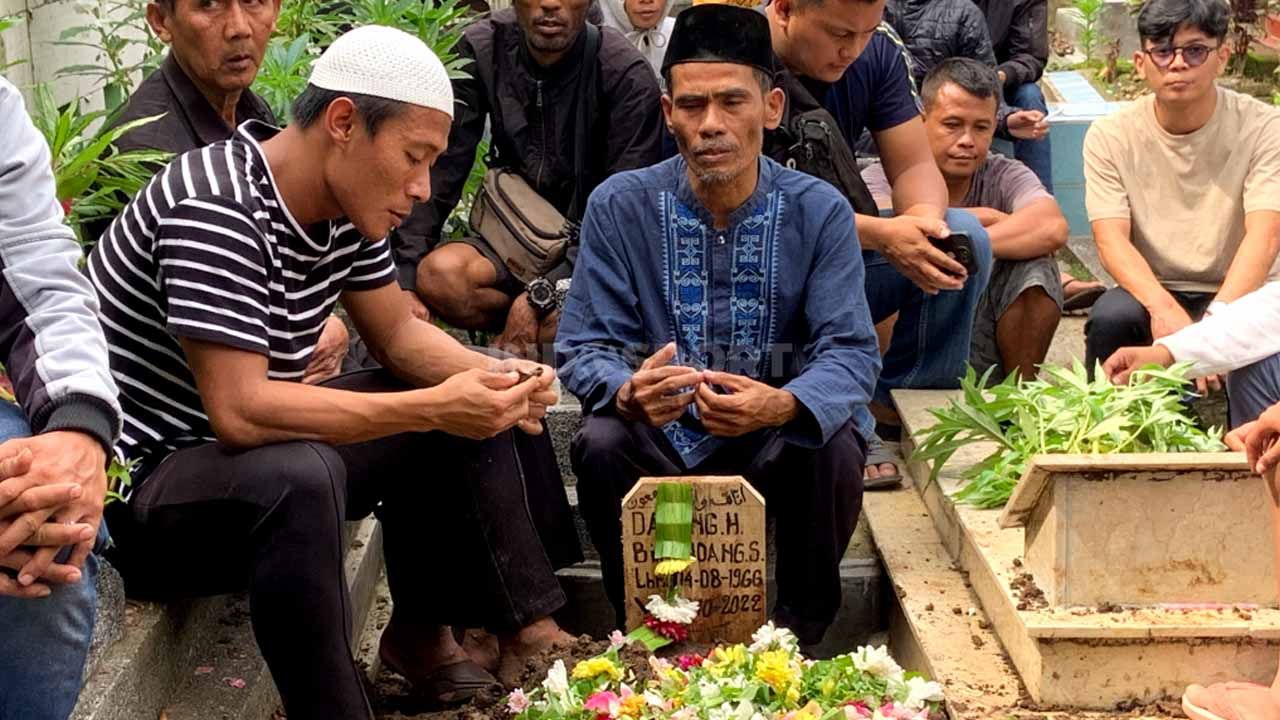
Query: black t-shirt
[(876, 92)]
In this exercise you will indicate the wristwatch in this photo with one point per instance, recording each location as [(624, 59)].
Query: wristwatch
[(562, 292), (541, 293)]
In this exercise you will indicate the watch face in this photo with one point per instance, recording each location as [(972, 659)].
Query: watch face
[(541, 294)]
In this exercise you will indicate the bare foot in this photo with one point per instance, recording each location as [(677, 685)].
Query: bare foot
[(416, 650), (482, 648), (883, 469), (519, 648)]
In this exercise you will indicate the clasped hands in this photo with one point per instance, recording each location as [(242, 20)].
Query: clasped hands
[(52, 491), (728, 405)]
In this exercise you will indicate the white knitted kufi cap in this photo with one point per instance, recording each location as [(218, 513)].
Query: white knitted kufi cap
[(387, 63)]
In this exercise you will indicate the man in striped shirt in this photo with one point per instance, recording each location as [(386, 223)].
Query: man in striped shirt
[(215, 284)]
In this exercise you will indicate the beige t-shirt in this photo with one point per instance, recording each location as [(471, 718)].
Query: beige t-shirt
[(1185, 195)]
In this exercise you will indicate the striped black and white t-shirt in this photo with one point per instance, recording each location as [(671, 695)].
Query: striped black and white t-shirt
[(208, 251)]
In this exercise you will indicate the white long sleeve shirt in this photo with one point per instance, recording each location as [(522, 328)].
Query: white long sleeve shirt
[(1235, 336)]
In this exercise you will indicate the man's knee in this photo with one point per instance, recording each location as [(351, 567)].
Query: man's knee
[(1029, 97), (1253, 389), (597, 445), (452, 273), (847, 452), (310, 476), (1036, 310), (1117, 313)]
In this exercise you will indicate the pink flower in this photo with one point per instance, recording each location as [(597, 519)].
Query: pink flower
[(856, 711), (684, 662), (618, 640), (601, 702), (517, 702), (894, 711)]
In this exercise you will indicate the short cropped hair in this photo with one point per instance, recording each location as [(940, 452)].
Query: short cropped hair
[(1159, 20), (976, 78), (373, 111)]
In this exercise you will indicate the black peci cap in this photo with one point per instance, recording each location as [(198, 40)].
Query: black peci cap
[(718, 33)]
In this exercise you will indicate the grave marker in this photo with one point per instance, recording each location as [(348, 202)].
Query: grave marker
[(728, 577)]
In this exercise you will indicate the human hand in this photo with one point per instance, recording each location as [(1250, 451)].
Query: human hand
[(1168, 319), (479, 404), (520, 335), (52, 494), (1258, 440), (331, 348), (988, 216), (416, 308), (905, 244), (1003, 77), (748, 406), (1028, 125), (1124, 361), (659, 392), (542, 397)]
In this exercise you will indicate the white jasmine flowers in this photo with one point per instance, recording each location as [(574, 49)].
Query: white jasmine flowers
[(876, 661), (771, 637), (920, 692), (679, 610), (557, 682)]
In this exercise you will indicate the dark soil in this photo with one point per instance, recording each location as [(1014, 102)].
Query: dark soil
[(1030, 597), (395, 700)]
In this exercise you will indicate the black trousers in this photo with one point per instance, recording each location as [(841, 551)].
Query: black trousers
[(814, 495), (1118, 320), (462, 543)]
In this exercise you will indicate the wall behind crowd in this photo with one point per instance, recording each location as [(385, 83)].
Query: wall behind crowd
[(33, 41)]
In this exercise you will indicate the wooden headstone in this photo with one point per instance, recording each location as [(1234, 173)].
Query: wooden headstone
[(728, 577)]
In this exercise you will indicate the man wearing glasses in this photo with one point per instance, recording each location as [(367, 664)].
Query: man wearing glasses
[(1182, 187)]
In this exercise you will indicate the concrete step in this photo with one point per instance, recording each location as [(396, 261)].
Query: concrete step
[(197, 659)]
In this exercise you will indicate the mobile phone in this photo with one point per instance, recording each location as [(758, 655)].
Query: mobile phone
[(958, 247)]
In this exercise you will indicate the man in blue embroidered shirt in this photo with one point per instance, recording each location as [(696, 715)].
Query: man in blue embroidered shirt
[(741, 281)]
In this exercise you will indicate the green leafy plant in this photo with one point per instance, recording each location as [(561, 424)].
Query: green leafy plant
[(93, 178), (6, 22), (119, 478), (117, 30), (284, 72), (1090, 17), (1063, 413), (307, 27)]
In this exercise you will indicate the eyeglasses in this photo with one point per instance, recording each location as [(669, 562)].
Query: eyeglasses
[(1193, 55)]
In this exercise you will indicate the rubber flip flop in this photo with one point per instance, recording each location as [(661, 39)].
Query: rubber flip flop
[(1082, 299), (879, 454), (448, 685)]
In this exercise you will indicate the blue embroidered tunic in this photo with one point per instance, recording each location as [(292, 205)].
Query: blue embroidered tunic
[(777, 296)]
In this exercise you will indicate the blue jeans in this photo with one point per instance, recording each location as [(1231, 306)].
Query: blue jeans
[(1252, 390), (930, 344), (44, 643), (1035, 154)]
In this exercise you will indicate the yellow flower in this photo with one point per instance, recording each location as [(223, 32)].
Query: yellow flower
[(595, 667), (631, 706), (793, 695), (672, 567), (774, 668), (723, 661)]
